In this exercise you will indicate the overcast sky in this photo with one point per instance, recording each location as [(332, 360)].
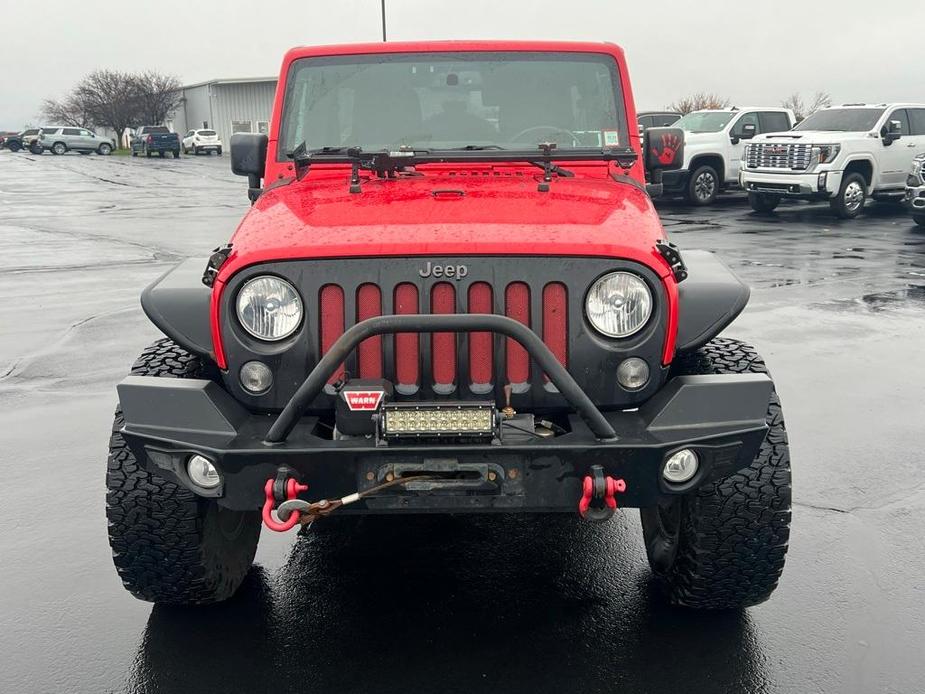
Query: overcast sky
[(754, 53)]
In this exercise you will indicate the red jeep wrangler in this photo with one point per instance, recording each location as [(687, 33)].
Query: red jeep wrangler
[(452, 294)]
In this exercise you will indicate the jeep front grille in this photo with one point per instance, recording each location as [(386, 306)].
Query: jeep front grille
[(771, 155), (441, 359)]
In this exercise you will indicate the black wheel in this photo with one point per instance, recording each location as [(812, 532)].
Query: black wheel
[(919, 219), (219, 151), (849, 202), (169, 545), (763, 202), (105, 149), (59, 148), (15, 146), (723, 546), (703, 186)]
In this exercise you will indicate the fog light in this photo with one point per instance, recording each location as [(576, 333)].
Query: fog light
[(256, 377), (202, 472), (681, 466), (633, 373), (823, 179)]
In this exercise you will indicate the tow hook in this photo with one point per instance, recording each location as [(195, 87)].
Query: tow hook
[(600, 490), (277, 491)]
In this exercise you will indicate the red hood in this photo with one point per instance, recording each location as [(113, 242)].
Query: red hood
[(500, 213)]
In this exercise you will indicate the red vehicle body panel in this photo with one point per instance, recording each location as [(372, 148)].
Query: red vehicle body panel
[(499, 211)]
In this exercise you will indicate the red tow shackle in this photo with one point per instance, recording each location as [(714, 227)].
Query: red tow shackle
[(601, 489), (292, 490)]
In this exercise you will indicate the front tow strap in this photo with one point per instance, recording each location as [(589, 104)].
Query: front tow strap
[(294, 510), (602, 491)]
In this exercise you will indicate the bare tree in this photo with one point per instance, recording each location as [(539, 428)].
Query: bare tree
[(800, 108), (158, 95), (820, 100), (110, 99), (796, 104), (67, 111), (698, 102)]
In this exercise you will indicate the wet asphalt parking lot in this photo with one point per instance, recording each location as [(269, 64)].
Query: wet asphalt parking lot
[(456, 604)]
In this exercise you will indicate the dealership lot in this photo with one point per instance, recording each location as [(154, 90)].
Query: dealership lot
[(467, 604)]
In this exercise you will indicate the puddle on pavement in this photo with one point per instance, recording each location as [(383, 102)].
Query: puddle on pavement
[(909, 297)]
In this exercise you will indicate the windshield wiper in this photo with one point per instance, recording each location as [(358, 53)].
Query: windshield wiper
[(554, 168), (386, 163)]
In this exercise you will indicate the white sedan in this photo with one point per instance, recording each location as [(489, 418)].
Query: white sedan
[(196, 141)]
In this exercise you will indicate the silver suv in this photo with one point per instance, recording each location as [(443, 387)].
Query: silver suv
[(60, 139)]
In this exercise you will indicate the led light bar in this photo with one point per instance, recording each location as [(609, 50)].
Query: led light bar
[(449, 420)]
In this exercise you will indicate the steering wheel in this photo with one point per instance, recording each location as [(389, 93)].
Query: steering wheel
[(551, 129)]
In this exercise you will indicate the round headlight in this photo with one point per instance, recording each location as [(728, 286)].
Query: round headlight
[(619, 304), (269, 308)]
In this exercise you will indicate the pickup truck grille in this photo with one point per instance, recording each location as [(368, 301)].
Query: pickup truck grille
[(439, 360), (771, 155)]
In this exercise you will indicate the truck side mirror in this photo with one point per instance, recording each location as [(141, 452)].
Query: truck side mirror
[(663, 149), (749, 130), (249, 158), (891, 132)]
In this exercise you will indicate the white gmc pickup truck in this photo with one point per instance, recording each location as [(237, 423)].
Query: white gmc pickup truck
[(714, 143), (842, 154)]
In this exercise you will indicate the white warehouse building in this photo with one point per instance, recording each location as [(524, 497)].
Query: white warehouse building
[(226, 106)]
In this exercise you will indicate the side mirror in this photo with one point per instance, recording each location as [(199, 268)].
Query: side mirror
[(891, 132), (663, 149), (249, 158), (749, 130)]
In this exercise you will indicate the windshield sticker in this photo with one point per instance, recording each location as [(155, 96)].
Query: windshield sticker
[(611, 138)]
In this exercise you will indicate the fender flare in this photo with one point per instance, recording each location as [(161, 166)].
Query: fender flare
[(709, 155), (178, 303), (709, 299)]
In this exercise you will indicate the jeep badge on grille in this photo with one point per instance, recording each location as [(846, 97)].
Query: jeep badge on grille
[(455, 271)]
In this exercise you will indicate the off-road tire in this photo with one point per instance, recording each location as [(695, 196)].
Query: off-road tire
[(701, 178), (169, 545), (919, 219), (844, 209), (723, 546), (763, 202)]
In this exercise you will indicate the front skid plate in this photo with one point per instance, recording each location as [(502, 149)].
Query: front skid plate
[(722, 417)]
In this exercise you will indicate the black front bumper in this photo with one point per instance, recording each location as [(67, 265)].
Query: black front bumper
[(721, 417)]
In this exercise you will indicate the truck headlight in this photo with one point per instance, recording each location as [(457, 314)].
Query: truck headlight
[(269, 308), (619, 304), (825, 154)]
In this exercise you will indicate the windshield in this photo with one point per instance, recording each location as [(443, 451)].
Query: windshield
[(847, 120), (452, 100), (705, 121)]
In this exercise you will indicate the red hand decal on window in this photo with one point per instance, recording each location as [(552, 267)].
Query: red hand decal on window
[(670, 146)]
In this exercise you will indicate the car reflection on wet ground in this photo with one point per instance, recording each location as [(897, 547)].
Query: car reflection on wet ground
[(533, 603)]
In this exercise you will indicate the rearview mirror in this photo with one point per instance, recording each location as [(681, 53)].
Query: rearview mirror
[(249, 158), (663, 148)]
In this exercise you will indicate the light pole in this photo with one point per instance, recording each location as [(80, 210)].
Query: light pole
[(383, 21)]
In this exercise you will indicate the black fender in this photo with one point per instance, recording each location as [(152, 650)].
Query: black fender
[(178, 303), (709, 299)]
